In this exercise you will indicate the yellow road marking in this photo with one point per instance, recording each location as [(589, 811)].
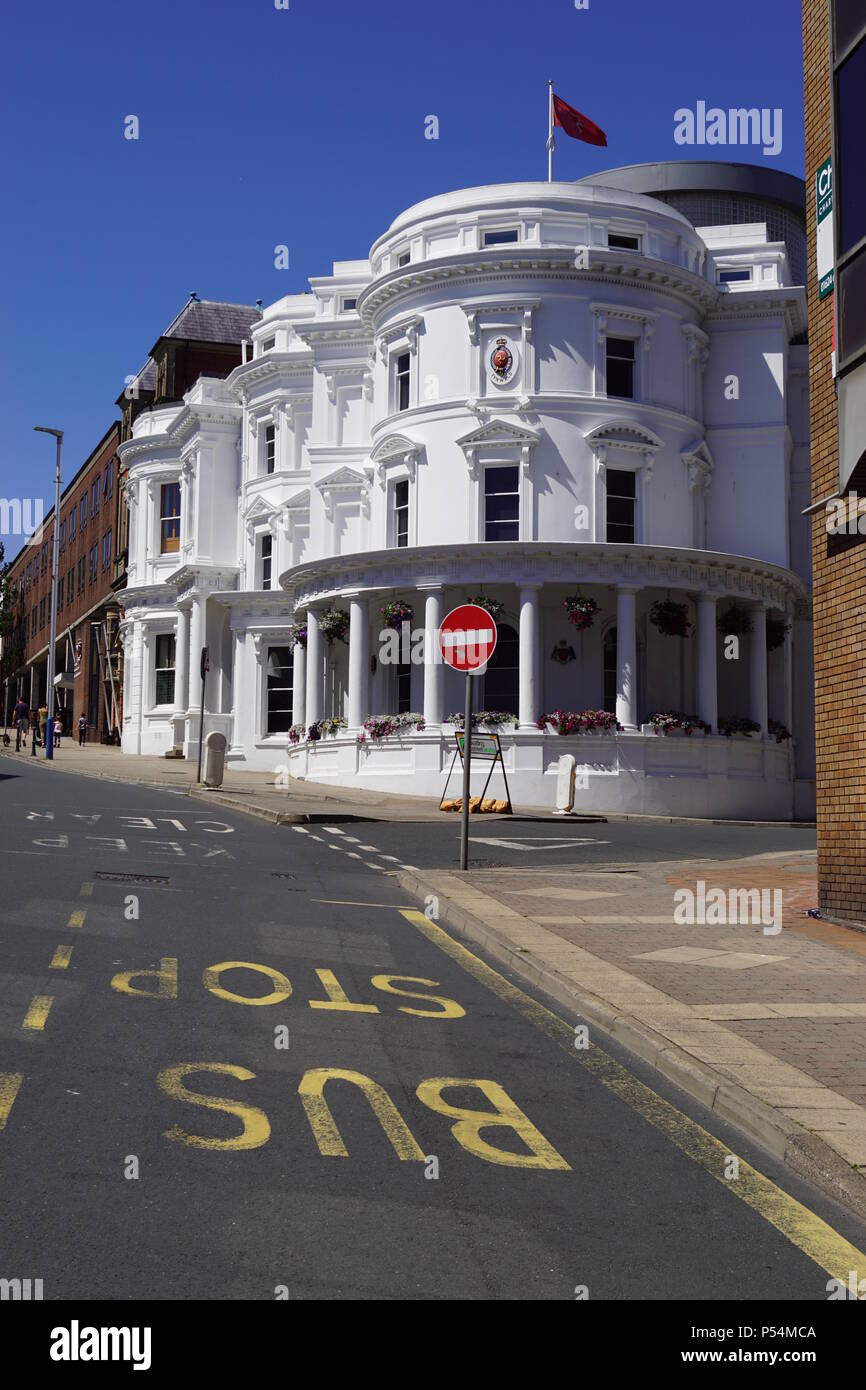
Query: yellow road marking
[(10, 1084), (800, 1226), (61, 958), (40, 1007), (76, 919), (344, 902), (87, 890), (337, 997)]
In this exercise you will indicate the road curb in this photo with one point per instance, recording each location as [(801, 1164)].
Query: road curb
[(800, 1149)]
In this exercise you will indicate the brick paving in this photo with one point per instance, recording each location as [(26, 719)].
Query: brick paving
[(782, 1016)]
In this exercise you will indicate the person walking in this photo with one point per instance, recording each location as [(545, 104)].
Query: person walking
[(21, 720), (82, 731), (43, 723)]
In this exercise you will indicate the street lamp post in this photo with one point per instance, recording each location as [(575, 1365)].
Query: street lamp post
[(55, 561)]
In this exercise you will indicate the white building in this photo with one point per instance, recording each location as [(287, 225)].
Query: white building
[(531, 391)]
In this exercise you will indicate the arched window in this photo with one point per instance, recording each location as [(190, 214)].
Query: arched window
[(502, 678), (609, 669)]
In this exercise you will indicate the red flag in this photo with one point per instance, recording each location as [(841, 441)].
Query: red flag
[(574, 124)]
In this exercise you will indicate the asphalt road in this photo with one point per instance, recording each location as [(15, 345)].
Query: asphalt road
[(525, 843), (118, 1183)]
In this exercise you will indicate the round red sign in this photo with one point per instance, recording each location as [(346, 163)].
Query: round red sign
[(467, 638)]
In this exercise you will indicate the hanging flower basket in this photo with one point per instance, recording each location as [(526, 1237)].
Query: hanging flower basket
[(297, 732), (666, 723), (380, 726), (485, 719), (396, 613), (585, 721), (735, 621), (581, 611), (780, 732), (298, 635), (334, 625), (671, 619), (490, 605), (777, 630)]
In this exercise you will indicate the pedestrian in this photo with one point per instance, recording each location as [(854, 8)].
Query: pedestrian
[(82, 731), (21, 720), (43, 723)]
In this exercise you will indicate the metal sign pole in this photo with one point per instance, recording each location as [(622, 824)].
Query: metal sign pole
[(205, 667), (467, 760)]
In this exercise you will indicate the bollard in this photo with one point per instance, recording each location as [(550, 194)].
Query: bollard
[(215, 760), (565, 785)]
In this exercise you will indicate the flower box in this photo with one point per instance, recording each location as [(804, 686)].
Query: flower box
[(587, 721), (675, 724), (485, 719), (380, 726)]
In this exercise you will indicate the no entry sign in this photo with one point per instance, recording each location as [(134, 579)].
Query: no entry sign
[(467, 638)]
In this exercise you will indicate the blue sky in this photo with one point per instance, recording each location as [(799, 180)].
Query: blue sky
[(303, 126)]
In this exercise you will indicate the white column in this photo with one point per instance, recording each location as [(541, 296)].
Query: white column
[(315, 680), (181, 661), (758, 668), (239, 704), (359, 663), (707, 676), (434, 666), (196, 642), (528, 705), (626, 658), (299, 683)]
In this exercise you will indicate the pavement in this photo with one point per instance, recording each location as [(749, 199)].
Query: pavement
[(239, 1061)]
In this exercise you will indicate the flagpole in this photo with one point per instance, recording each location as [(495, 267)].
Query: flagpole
[(551, 143)]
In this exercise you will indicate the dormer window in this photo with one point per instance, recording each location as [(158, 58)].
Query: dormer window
[(734, 277), (506, 237), (349, 305), (617, 241), (404, 259), (269, 344)]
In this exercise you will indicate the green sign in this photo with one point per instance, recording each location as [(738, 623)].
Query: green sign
[(824, 248), (483, 745)]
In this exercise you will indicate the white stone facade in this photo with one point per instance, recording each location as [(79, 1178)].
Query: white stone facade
[(642, 436)]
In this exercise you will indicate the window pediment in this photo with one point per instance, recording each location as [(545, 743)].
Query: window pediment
[(345, 484), (499, 432), (623, 434)]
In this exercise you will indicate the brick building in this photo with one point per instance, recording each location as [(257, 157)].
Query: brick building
[(834, 43), (206, 338), (88, 679)]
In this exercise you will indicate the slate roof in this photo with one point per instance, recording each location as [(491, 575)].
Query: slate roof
[(211, 321)]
